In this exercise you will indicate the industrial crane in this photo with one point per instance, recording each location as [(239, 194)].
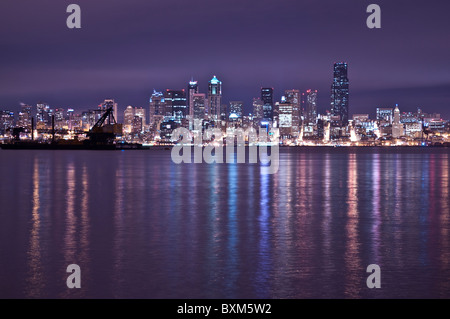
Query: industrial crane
[(104, 134)]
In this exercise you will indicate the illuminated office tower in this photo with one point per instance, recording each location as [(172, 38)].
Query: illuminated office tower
[(267, 99), (285, 118), (214, 99), (74, 121), (138, 123), (258, 112), (223, 115), (340, 93), (192, 89), (293, 97), (397, 127), (236, 107), (59, 115), (199, 105), (140, 112), (134, 119), (128, 115), (24, 119), (6, 121), (311, 107), (157, 109), (236, 113), (60, 119), (175, 101), (42, 113), (385, 115)]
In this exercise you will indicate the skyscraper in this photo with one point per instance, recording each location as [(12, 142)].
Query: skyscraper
[(293, 98), (214, 99), (134, 119), (236, 107), (73, 121), (137, 125), (311, 107), (385, 115), (397, 127), (128, 116), (199, 105), (192, 89), (60, 119), (340, 93), (140, 112), (42, 113), (175, 101), (24, 119), (285, 118), (223, 115), (267, 99), (157, 109), (6, 121), (236, 113), (258, 113)]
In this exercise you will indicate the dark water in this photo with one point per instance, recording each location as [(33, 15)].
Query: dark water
[(140, 226)]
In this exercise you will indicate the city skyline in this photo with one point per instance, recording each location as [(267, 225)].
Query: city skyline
[(230, 150), (295, 117), (81, 66), (248, 106)]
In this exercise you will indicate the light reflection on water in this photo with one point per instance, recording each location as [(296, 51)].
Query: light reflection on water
[(35, 281), (140, 226)]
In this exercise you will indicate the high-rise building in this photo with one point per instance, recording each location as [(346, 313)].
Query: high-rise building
[(24, 118), (258, 112), (157, 109), (397, 127), (6, 121), (128, 116), (236, 107), (236, 113), (223, 114), (75, 121), (59, 115), (385, 115), (70, 119), (192, 89), (310, 107), (60, 119), (42, 113), (285, 118), (214, 99), (267, 99), (247, 121), (293, 97), (199, 105), (320, 128), (137, 125), (358, 119), (134, 119), (175, 101), (340, 93), (140, 112)]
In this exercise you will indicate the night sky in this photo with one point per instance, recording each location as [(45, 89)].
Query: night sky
[(127, 48)]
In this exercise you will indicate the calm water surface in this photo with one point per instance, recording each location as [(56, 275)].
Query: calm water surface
[(140, 226)]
